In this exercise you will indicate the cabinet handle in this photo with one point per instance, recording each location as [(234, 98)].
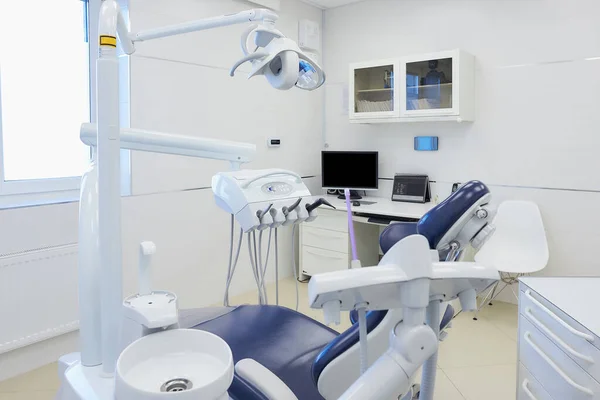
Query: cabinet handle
[(556, 339), (322, 236), (555, 317), (527, 391), (555, 367), (325, 256)]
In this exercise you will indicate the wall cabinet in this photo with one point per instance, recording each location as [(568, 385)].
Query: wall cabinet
[(426, 87)]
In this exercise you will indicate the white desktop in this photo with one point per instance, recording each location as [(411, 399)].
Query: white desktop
[(325, 243)]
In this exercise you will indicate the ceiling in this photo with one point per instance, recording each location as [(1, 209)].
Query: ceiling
[(331, 3)]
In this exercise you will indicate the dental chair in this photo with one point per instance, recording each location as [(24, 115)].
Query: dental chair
[(316, 362)]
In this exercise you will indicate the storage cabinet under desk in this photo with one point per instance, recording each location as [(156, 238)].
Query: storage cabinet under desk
[(325, 244), (559, 346)]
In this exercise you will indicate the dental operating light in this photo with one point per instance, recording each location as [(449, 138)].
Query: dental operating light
[(279, 59)]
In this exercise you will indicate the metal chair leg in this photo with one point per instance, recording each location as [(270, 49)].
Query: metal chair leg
[(493, 292), (485, 299)]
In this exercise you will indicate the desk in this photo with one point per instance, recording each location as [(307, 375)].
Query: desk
[(325, 242), (384, 207)]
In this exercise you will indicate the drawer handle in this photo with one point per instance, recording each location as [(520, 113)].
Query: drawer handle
[(568, 327), (325, 256), (323, 236), (556, 339), (527, 391), (555, 367)]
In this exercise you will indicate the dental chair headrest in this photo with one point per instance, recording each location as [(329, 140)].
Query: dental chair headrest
[(444, 222)]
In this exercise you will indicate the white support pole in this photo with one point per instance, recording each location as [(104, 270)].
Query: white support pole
[(207, 23), (109, 194), (89, 272)]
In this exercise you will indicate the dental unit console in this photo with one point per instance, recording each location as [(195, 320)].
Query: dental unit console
[(260, 199)]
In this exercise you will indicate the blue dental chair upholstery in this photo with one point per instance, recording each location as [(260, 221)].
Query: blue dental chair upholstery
[(438, 221), (296, 348)]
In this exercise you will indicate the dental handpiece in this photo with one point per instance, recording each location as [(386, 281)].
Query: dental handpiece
[(261, 213), (287, 210), (320, 202)]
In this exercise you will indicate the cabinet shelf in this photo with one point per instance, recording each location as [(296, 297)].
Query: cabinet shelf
[(429, 86), (375, 90)]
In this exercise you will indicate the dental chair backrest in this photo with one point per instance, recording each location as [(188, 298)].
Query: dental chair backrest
[(451, 224)]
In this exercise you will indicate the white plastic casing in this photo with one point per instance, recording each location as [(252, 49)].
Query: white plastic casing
[(268, 383), (155, 310), (331, 312), (243, 193)]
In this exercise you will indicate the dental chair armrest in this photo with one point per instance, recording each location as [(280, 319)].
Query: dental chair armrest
[(262, 378)]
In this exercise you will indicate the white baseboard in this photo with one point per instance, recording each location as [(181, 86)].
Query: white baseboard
[(37, 355)]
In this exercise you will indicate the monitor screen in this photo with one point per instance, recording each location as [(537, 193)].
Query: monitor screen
[(350, 169)]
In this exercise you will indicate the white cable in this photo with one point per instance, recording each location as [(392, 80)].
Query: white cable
[(226, 295), (294, 265), (252, 265), (264, 268), (262, 296), (362, 331), (276, 269), (232, 267), (261, 278)]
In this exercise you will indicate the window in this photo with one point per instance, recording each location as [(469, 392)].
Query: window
[(45, 96)]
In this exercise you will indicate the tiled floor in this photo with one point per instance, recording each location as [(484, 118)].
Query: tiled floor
[(477, 361)]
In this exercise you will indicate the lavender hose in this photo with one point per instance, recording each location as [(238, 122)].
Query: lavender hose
[(350, 225)]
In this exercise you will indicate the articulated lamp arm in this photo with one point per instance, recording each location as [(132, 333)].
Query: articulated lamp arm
[(112, 23)]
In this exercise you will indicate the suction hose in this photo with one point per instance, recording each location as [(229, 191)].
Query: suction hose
[(430, 366)]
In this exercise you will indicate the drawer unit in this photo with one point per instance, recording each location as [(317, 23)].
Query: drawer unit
[(552, 367), (331, 220), (325, 239), (528, 388), (572, 338), (315, 261)]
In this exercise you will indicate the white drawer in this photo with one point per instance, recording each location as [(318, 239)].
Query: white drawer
[(553, 369), (569, 336), (325, 239), (565, 322), (316, 261), (332, 220), (528, 388)]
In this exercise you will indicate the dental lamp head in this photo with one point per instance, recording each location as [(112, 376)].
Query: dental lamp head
[(279, 59)]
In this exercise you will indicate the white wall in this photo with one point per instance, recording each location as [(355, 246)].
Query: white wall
[(536, 130), (182, 85)]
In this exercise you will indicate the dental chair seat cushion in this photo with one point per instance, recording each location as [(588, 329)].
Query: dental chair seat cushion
[(282, 340), (442, 217)]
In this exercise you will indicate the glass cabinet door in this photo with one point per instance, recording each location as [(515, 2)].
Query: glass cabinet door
[(374, 89), (429, 85)]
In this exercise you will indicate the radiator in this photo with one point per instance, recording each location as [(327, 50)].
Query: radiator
[(38, 295)]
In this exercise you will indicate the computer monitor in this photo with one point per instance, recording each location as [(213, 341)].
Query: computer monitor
[(356, 170)]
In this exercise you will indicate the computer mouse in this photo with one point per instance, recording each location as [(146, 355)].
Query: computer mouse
[(356, 203)]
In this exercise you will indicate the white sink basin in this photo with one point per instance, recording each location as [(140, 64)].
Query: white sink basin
[(175, 364)]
